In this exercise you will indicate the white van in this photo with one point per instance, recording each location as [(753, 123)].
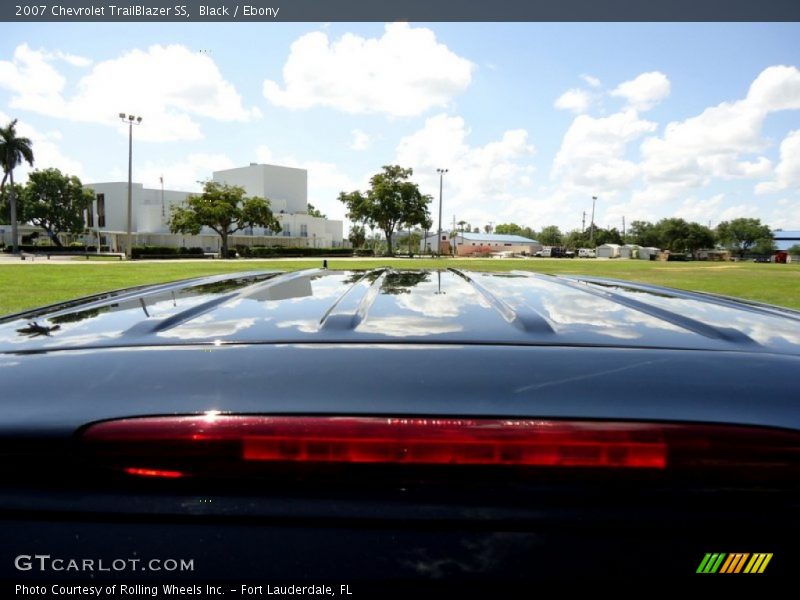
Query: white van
[(586, 253)]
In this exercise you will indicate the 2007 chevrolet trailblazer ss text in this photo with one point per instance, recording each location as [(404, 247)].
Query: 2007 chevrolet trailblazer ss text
[(329, 426)]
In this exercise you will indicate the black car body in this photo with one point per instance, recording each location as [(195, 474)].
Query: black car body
[(707, 383)]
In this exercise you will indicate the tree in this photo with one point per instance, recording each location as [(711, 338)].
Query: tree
[(392, 200), (357, 236), (315, 212), (644, 233), (672, 234), (577, 239), (739, 235), (224, 209), (487, 228), (606, 236), (55, 202), (13, 151), (698, 237), (794, 250), (764, 246), (508, 229), (462, 225), (551, 236)]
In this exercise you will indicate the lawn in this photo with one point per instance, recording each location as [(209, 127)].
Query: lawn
[(25, 285)]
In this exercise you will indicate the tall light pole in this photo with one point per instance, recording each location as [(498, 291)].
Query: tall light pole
[(441, 173), (130, 119), (591, 225)]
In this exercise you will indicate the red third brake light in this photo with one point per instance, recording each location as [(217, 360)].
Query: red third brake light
[(221, 444)]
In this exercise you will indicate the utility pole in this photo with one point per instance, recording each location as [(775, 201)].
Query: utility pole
[(583, 222), (623, 229), (439, 239), (591, 225), (129, 119)]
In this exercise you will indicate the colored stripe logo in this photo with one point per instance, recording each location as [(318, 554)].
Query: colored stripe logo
[(737, 562)]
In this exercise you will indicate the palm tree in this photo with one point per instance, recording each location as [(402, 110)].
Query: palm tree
[(13, 150)]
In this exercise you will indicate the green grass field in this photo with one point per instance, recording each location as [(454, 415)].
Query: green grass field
[(24, 285)]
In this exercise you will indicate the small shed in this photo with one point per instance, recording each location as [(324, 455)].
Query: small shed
[(629, 251), (648, 252), (608, 251)]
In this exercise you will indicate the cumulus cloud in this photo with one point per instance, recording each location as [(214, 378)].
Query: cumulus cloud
[(591, 81), (403, 73), (787, 173), (575, 100), (645, 91), (701, 210), (35, 83), (592, 153), (184, 175), (717, 142), (360, 140), (480, 178), (168, 85), (47, 152)]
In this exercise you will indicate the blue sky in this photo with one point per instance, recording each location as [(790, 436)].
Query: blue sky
[(532, 119)]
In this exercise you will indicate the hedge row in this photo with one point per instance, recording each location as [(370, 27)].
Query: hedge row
[(33, 249), (164, 251), (264, 252)]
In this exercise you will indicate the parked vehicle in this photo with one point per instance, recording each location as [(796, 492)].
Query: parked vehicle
[(586, 253), (445, 426)]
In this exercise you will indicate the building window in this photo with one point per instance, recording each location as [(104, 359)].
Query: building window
[(90, 215), (101, 210), (287, 232), (303, 230)]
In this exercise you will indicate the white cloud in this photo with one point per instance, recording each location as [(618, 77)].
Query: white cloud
[(739, 211), (716, 142), (787, 173), (71, 59), (481, 179), (592, 153), (185, 175), (575, 100), (403, 73), (785, 214), (701, 210), (645, 91), (360, 140), (167, 85), (47, 152), (37, 85), (591, 81)]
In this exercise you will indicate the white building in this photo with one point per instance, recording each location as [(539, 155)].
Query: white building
[(629, 251), (648, 252), (285, 187), (608, 251)]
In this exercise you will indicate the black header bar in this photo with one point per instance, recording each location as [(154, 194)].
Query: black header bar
[(398, 10)]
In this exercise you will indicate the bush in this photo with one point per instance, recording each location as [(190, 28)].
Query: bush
[(364, 252), (281, 251), (164, 251), (32, 248)]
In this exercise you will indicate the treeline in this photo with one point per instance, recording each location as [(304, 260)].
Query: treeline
[(740, 236)]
